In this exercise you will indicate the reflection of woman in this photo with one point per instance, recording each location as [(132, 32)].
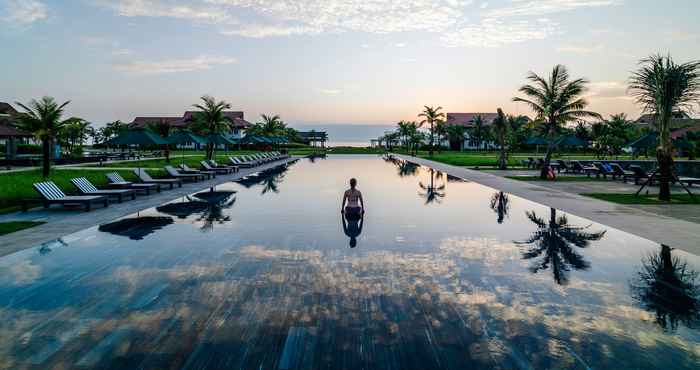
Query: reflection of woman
[(352, 226)]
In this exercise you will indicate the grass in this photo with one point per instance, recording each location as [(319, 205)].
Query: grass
[(15, 186), (641, 199), (559, 178), (490, 159), (12, 226)]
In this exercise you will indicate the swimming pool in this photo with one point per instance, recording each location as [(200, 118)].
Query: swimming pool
[(259, 274)]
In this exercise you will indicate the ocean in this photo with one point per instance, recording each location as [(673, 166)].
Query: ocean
[(358, 135)]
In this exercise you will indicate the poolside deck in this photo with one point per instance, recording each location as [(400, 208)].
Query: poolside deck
[(648, 224), (58, 224)]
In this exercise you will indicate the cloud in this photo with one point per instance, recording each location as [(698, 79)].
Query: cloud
[(23, 12), (522, 8), (574, 49), (400, 44), (122, 52), (330, 91), (493, 32), (200, 11), (608, 90), (262, 31), (203, 62)]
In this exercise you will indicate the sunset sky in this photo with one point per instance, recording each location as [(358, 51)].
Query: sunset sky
[(328, 61)]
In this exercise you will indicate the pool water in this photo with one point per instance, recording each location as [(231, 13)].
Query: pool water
[(266, 273)]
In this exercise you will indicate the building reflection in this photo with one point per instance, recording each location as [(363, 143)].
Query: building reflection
[(667, 287), (554, 245), (434, 190), (500, 203)]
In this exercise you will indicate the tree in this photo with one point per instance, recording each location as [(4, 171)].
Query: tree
[(432, 116), (416, 137), (210, 120), (556, 101), (162, 128), (455, 135), (404, 131), (269, 126), (43, 119), (501, 130), (615, 133), (554, 241), (75, 133), (479, 130), (662, 87), (111, 130)]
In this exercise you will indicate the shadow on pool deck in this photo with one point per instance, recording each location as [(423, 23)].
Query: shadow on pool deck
[(61, 222)]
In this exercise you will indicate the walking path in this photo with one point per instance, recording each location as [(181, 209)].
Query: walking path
[(671, 231), (61, 222)]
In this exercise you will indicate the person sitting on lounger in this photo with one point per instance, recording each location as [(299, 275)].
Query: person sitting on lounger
[(355, 206)]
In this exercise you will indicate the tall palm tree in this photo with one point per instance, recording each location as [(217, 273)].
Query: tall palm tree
[(75, 133), (432, 192), (500, 203), (432, 116), (211, 120), (556, 101), (455, 135), (164, 129), (670, 289), (43, 119), (478, 132), (404, 131), (501, 129), (271, 126), (662, 87), (553, 244)]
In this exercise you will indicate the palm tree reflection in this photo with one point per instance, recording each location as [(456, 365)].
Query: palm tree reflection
[(432, 192), (270, 179), (404, 168), (217, 201), (667, 287), (552, 245), (500, 203)]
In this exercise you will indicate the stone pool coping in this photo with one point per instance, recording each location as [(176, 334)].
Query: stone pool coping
[(60, 222), (670, 231)]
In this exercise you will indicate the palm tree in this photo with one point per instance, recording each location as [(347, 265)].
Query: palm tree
[(455, 135), (211, 120), (478, 130), (271, 126), (669, 288), (432, 116), (162, 128), (500, 203), (404, 131), (43, 119), (554, 242), (416, 139), (75, 133), (501, 129), (431, 192), (662, 87), (556, 101)]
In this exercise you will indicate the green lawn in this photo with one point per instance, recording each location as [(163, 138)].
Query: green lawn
[(15, 186), (490, 159), (559, 178), (12, 226), (641, 199)]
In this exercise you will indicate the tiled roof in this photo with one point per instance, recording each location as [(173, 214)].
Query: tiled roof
[(467, 119), (681, 132), (6, 108), (141, 122), (187, 118), (10, 131)]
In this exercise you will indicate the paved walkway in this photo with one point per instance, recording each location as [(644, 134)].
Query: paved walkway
[(660, 228), (61, 222)]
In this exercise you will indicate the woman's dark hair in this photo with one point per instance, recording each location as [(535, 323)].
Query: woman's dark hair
[(353, 182)]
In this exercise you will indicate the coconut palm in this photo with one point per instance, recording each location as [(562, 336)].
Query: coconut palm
[(43, 119), (501, 130), (432, 192), (404, 130), (662, 87), (432, 116), (270, 126), (164, 129), (455, 135), (211, 120), (670, 289), (556, 101), (479, 130), (553, 243), (500, 203), (75, 133)]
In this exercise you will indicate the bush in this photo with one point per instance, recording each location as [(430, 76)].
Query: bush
[(28, 149), (295, 146)]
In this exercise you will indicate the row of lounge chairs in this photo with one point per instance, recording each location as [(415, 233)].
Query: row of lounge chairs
[(615, 171), (120, 189)]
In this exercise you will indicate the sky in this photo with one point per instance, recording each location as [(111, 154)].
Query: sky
[(328, 61)]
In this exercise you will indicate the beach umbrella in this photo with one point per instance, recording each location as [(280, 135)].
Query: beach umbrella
[(136, 228), (184, 138), (571, 141), (536, 141), (137, 137), (649, 140), (219, 139)]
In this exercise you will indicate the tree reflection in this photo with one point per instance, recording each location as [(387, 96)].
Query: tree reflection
[(500, 203), (667, 287), (404, 168), (552, 245), (269, 179), (431, 192), (217, 201)]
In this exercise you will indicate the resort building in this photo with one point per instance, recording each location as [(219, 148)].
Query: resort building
[(313, 138), (467, 120), (10, 135), (238, 123), (679, 120)]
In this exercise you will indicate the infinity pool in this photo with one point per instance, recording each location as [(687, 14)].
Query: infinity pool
[(260, 274)]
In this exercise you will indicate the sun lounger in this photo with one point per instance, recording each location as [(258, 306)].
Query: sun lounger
[(690, 181), (52, 194), (115, 179), (239, 162), (215, 164), (620, 172), (605, 170), (145, 178), (187, 169), (640, 174), (577, 167), (207, 167), (172, 172), (87, 188)]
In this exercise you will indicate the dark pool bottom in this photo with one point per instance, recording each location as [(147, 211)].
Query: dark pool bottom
[(264, 274)]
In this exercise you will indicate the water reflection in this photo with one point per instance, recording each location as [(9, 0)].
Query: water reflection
[(269, 179), (434, 190), (216, 201), (352, 226), (552, 245), (404, 168), (48, 247), (501, 205), (136, 228), (668, 288), (313, 157)]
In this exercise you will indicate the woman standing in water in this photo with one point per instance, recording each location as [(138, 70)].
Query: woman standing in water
[(355, 206)]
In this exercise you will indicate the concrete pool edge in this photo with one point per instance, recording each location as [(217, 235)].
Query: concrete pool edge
[(79, 220), (670, 231)]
